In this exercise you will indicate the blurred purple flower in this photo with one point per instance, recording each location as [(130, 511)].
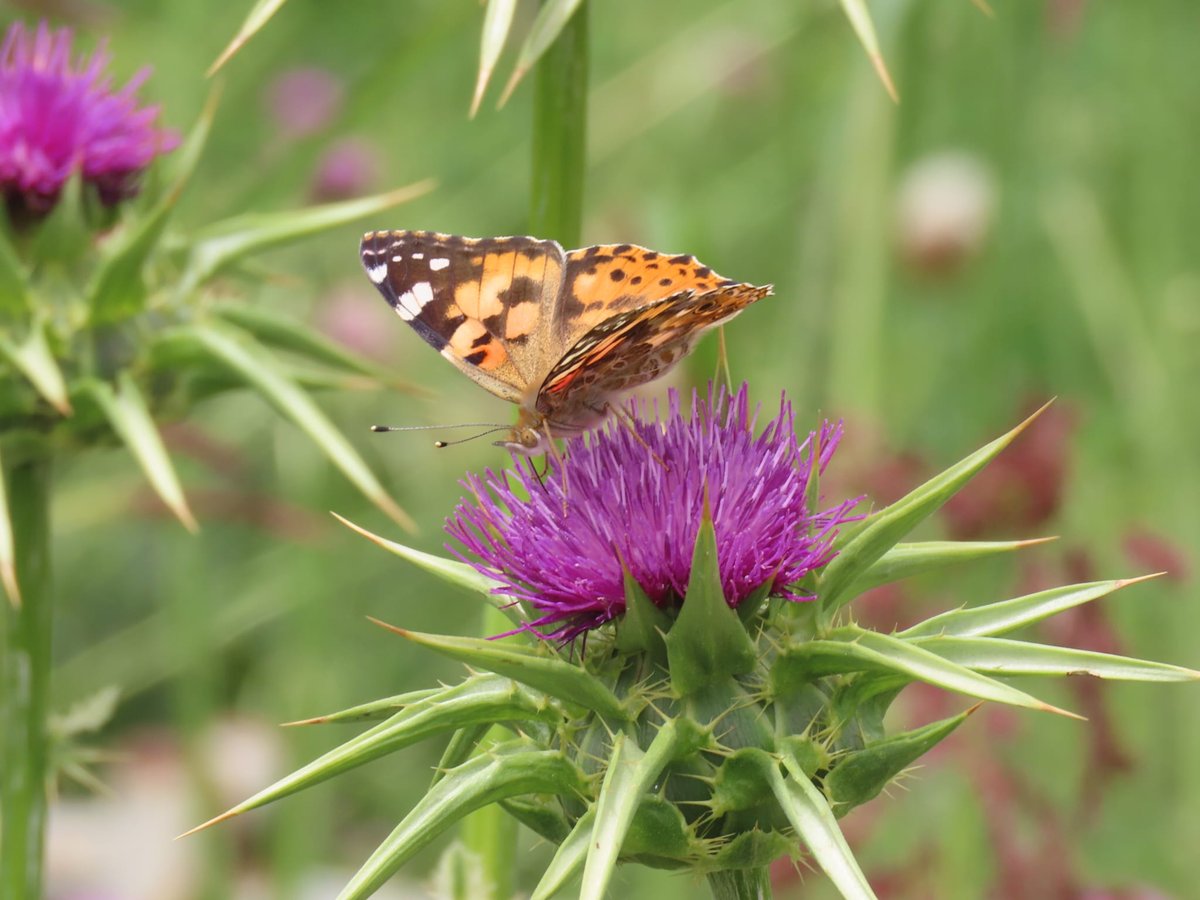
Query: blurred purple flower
[(347, 169), (623, 504), (57, 118), (304, 101)]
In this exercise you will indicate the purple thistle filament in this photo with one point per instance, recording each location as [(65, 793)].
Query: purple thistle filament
[(59, 117), (624, 504)]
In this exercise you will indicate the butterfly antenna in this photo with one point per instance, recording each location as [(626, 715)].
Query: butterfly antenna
[(441, 444), (380, 429)]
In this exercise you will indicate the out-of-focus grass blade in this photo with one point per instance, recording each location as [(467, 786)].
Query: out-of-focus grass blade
[(809, 813), (1008, 615), (860, 20), (906, 560), (1001, 656), (126, 411), (258, 16), (568, 859), (8, 555), (497, 21), (222, 243), (509, 770), (116, 288), (255, 366), (35, 360), (286, 333), (882, 530), (528, 665), (14, 297), (551, 19), (629, 776), (449, 570)]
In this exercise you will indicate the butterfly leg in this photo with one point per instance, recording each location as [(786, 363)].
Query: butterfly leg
[(554, 451), (625, 418)]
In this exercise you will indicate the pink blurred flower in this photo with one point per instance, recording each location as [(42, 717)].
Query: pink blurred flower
[(304, 101), (349, 168)]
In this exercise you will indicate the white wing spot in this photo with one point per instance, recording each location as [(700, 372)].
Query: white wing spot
[(423, 291), (436, 265), (377, 272), (399, 257), (406, 306), (418, 256)]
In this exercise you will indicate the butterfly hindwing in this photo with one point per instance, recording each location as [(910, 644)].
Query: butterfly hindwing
[(483, 304)]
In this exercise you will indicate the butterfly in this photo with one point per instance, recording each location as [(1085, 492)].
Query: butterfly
[(559, 333)]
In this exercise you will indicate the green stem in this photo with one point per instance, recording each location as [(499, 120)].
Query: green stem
[(560, 134), (24, 689), (741, 884)]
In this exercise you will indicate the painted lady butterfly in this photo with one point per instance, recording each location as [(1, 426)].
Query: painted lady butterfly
[(561, 334)]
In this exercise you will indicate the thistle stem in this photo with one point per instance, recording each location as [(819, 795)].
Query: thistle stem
[(560, 134), (24, 681), (741, 884)]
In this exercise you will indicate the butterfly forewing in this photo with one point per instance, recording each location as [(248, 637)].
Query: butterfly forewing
[(480, 303)]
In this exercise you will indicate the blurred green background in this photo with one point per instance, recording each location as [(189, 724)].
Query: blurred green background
[(1023, 225)]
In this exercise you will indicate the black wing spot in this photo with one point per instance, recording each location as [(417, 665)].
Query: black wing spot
[(664, 281), (680, 259), (475, 358), (617, 274), (636, 279)]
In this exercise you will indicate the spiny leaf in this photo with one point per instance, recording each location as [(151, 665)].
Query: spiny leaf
[(258, 16), (1009, 615), (449, 570), (1001, 656), (852, 648), (551, 19), (568, 859), (543, 817), (369, 712), (497, 21), (509, 770), (906, 560), (130, 418), (708, 642), (531, 666), (462, 744), (117, 288), (253, 365), (222, 243), (860, 19), (642, 626), (883, 530), (809, 813), (285, 333), (35, 360), (629, 775), (480, 699), (860, 775)]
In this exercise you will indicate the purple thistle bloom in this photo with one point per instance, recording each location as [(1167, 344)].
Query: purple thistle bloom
[(623, 504), (57, 117)]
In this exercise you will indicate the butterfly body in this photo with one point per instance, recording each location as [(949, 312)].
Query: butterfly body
[(559, 333)]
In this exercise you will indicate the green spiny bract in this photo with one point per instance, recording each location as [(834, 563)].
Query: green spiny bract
[(707, 738)]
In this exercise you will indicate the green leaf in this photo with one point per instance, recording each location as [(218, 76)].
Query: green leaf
[(532, 666), (8, 550), (641, 628), (629, 776), (254, 366), (117, 288), (497, 21), (906, 560), (507, 771), (809, 814), (861, 775), (482, 699), (462, 744), (659, 830), (35, 360), (258, 16), (14, 281), (1008, 615), (860, 20), (708, 642), (130, 418), (543, 818), (449, 570), (739, 783), (369, 712), (285, 333), (882, 530), (551, 19), (856, 649), (223, 243), (568, 859), (753, 850), (1000, 656)]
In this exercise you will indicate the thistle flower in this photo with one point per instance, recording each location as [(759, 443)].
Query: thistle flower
[(59, 117), (701, 730), (633, 496)]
